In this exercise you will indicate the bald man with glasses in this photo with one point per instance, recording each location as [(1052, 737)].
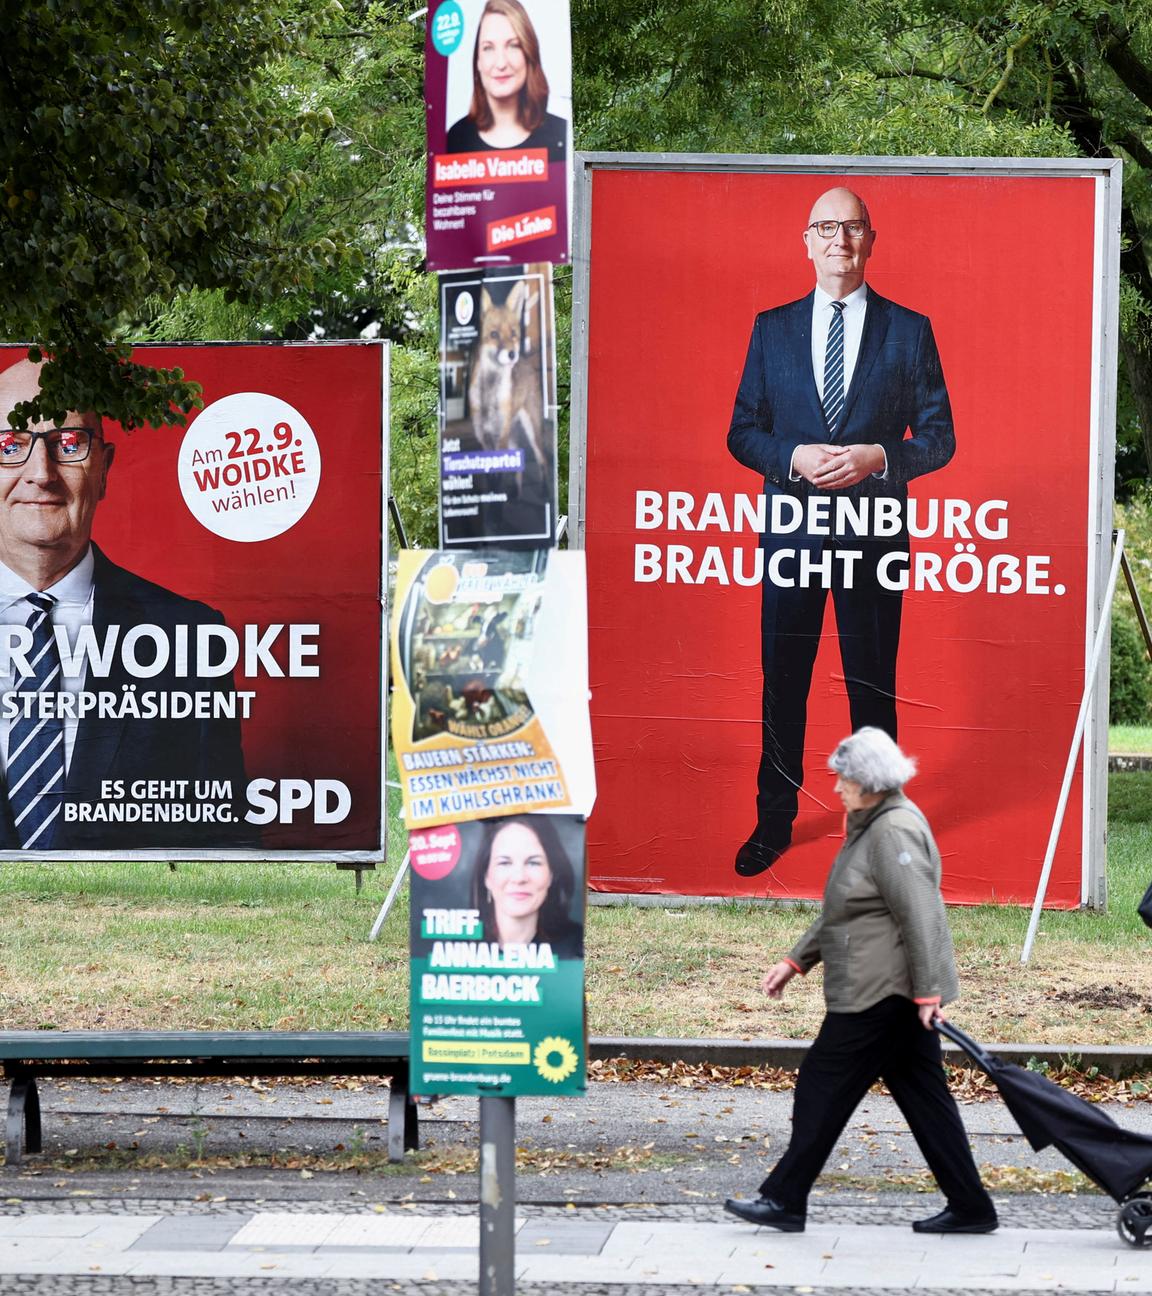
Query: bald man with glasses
[(55, 582), (842, 393)]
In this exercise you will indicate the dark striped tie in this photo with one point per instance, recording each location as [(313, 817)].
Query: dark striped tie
[(35, 746), (833, 399)]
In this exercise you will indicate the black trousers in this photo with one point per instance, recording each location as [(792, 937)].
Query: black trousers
[(850, 1053), (868, 627)]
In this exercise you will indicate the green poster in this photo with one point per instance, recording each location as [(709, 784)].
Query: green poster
[(497, 956)]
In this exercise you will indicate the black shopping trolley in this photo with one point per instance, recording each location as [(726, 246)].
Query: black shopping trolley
[(1117, 1160)]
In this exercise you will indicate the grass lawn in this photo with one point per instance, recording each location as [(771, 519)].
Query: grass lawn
[(1130, 740), (216, 946)]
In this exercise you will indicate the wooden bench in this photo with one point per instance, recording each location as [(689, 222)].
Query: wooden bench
[(25, 1055)]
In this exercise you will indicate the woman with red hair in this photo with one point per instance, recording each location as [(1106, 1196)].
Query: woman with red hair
[(509, 89)]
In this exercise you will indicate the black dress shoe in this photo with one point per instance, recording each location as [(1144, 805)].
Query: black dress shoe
[(950, 1221), (766, 1212), (757, 856)]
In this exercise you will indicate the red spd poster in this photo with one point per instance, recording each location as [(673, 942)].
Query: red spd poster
[(845, 466), (191, 631)]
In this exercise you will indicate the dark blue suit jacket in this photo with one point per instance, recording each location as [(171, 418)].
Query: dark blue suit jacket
[(897, 387), (131, 748)]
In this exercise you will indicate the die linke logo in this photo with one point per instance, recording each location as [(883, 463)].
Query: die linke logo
[(508, 166), (511, 230)]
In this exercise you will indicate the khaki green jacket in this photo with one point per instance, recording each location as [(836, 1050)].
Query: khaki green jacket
[(883, 929)]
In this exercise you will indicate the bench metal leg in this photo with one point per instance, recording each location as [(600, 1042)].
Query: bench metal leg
[(22, 1131), (403, 1118), (411, 1126)]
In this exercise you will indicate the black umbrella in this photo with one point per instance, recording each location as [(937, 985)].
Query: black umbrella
[(1116, 1159)]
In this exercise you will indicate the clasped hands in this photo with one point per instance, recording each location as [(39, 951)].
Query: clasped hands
[(834, 467)]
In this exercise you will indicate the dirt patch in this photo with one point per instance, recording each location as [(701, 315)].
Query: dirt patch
[(1105, 996)]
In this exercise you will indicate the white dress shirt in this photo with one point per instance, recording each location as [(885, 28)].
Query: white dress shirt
[(75, 598), (855, 308)]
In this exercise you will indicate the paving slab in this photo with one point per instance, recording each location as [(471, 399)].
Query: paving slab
[(595, 1225), (646, 1253), (189, 1233)]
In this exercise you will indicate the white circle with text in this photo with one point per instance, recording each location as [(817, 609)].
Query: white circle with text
[(249, 467)]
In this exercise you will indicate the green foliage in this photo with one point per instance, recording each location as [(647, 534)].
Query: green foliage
[(256, 171), (132, 135), (1130, 681), (1130, 678), (913, 77), (358, 75), (1135, 517), (415, 458), (746, 77), (362, 69)]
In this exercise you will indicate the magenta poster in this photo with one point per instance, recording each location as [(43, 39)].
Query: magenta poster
[(498, 98)]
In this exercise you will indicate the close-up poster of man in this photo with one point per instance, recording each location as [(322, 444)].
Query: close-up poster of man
[(217, 694)]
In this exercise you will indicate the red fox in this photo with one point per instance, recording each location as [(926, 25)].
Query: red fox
[(505, 391)]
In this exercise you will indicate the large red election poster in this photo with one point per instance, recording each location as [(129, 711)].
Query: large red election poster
[(805, 511), (191, 628)]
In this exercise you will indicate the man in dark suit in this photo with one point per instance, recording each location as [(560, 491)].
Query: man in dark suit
[(64, 771), (842, 395)]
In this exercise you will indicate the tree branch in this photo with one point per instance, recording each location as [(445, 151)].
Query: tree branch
[(1116, 50), (925, 74), (1136, 149), (1006, 75)]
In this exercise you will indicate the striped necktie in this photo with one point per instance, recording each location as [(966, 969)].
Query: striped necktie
[(36, 747), (833, 399)]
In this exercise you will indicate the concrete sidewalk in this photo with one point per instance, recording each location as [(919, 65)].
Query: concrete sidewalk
[(567, 1253), (623, 1194)]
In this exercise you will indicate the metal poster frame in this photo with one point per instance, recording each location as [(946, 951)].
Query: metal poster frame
[(361, 858), (1106, 172)]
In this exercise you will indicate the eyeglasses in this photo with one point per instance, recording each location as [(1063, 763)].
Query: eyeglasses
[(828, 229), (65, 445)]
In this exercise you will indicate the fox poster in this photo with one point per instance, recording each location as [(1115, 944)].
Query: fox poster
[(497, 408)]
